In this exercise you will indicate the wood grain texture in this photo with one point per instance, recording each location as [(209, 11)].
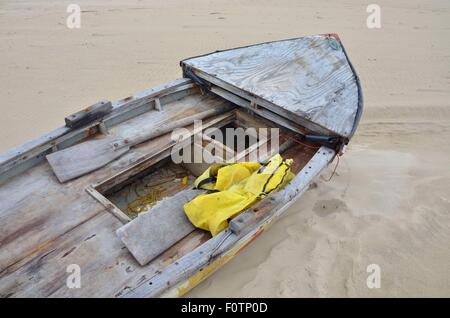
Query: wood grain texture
[(108, 269), (306, 77), (172, 124), (45, 225), (90, 155), (162, 147), (36, 209), (85, 116), (85, 157), (25, 156), (259, 111), (162, 226)]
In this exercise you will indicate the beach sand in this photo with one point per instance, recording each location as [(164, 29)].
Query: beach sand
[(389, 202)]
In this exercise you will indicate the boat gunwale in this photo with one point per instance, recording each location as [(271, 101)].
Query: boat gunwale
[(181, 276), (32, 152)]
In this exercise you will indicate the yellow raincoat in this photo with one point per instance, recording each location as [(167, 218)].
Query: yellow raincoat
[(236, 187)]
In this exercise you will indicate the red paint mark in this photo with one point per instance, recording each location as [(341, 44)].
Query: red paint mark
[(334, 35)]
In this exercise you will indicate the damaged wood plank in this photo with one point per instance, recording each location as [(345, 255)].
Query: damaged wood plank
[(103, 260), (108, 205), (153, 232), (218, 249), (93, 154), (161, 149), (38, 203), (30, 153)]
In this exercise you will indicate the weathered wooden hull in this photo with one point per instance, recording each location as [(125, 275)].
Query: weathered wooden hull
[(46, 226), (227, 245)]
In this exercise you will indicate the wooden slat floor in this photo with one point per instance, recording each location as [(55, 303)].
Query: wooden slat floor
[(46, 226)]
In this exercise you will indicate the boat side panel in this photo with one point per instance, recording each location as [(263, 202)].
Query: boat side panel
[(36, 209), (23, 157), (185, 286), (190, 267)]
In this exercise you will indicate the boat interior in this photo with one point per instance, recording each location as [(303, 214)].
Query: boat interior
[(48, 225)]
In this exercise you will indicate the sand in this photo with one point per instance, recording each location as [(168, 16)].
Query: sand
[(388, 204)]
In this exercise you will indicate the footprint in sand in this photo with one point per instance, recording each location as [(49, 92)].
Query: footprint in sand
[(326, 207)]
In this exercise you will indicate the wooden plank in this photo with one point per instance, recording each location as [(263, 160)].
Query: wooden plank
[(254, 101), (93, 154), (220, 246), (41, 211), (119, 107), (137, 107), (110, 207), (306, 78), (107, 268), (165, 145), (36, 208), (259, 111), (158, 104), (150, 94), (221, 150), (31, 152), (85, 116), (246, 152), (248, 118), (172, 124), (84, 157), (153, 232)]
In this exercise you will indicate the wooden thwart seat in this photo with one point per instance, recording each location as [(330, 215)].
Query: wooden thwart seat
[(153, 232)]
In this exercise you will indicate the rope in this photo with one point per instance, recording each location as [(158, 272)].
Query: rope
[(334, 170)]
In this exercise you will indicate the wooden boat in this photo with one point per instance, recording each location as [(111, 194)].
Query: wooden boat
[(305, 86)]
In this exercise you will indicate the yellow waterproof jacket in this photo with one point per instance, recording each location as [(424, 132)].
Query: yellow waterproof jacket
[(236, 187)]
